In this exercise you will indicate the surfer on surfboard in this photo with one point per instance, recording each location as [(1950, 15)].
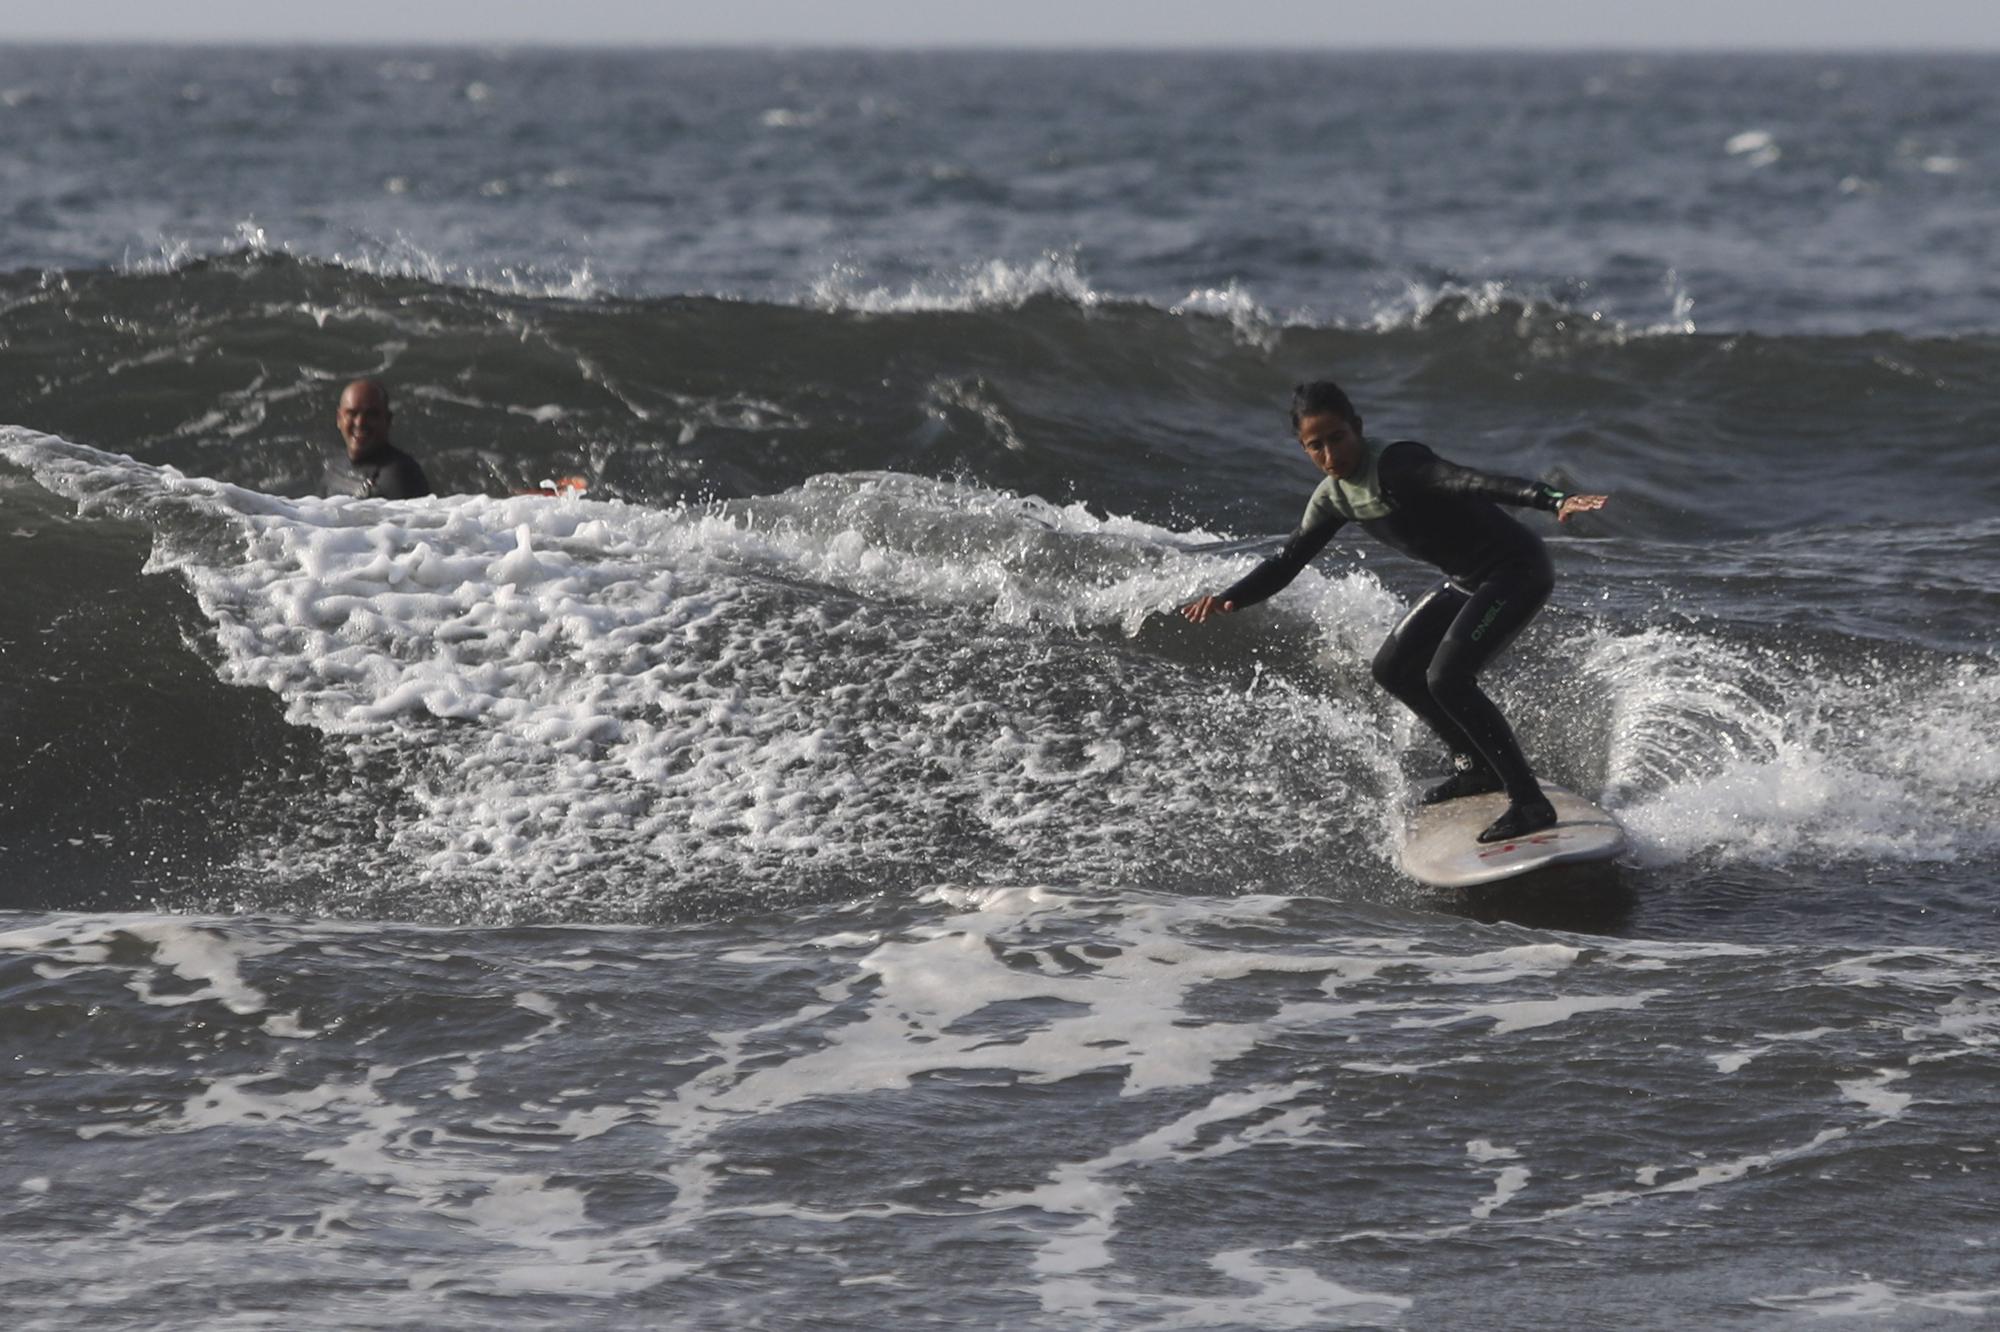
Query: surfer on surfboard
[(1496, 576)]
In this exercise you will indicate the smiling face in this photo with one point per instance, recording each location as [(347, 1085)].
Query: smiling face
[(1333, 443), (364, 418)]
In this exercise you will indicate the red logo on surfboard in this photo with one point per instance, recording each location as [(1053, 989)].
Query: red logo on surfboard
[(1539, 839)]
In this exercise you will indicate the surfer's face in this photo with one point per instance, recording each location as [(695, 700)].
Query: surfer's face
[(364, 420), (1332, 441)]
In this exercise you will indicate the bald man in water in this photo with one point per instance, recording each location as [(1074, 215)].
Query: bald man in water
[(386, 471)]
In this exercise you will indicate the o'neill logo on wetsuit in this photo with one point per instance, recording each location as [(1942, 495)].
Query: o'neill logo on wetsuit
[(1486, 621), (1539, 839)]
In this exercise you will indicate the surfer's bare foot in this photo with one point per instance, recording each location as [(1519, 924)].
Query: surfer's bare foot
[(1522, 817), (1465, 782)]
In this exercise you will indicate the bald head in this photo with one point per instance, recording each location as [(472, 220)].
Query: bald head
[(364, 417)]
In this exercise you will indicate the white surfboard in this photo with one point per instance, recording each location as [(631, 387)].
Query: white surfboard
[(1442, 846)]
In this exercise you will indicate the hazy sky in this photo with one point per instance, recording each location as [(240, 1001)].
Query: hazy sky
[(1806, 24)]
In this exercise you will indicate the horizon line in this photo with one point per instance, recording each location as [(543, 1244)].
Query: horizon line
[(620, 45)]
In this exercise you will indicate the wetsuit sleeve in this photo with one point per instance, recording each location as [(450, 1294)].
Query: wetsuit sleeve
[(1410, 468), (1276, 573)]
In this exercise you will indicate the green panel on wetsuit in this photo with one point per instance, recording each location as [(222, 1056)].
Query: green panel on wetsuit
[(1358, 498)]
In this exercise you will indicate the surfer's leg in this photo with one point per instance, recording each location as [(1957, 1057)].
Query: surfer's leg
[(1484, 625), (1400, 667)]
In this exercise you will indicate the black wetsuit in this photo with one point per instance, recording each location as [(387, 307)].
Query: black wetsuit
[(390, 473), (1497, 575)]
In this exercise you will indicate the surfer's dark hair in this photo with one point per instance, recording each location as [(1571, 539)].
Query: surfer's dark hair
[(1321, 395)]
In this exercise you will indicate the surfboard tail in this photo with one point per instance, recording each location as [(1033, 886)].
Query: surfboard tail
[(1442, 846)]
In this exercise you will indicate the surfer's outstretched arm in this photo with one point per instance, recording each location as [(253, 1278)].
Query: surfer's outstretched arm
[(1416, 468), (1270, 577)]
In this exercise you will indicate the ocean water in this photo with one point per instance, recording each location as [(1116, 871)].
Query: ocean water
[(810, 881)]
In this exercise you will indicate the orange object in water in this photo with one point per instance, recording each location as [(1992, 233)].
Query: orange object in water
[(562, 485)]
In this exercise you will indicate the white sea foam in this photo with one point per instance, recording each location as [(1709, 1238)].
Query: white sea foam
[(1705, 1175), (1873, 1094), (1507, 1185), (621, 681), (1716, 749), (197, 955), (1736, 1060), (995, 284), (999, 284), (1147, 968), (1255, 326), (1279, 1296), (1421, 303), (781, 117), (1749, 141), (208, 959), (1508, 1180), (392, 257), (535, 1234), (949, 397), (1083, 1192), (1126, 1011), (1537, 312), (1877, 1301), (1508, 964), (1133, 997), (587, 684), (1127, 1016), (904, 1003), (1971, 1022), (1526, 1014)]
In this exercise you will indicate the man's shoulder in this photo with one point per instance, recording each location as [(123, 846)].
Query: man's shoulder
[(410, 476), (1398, 459)]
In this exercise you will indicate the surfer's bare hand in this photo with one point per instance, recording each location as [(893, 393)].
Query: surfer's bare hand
[(1579, 504), (1202, 607)]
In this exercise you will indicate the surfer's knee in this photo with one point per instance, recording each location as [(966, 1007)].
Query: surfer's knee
[(1441, 682), (1385, 668), (1448, 678), (1393, 669)]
